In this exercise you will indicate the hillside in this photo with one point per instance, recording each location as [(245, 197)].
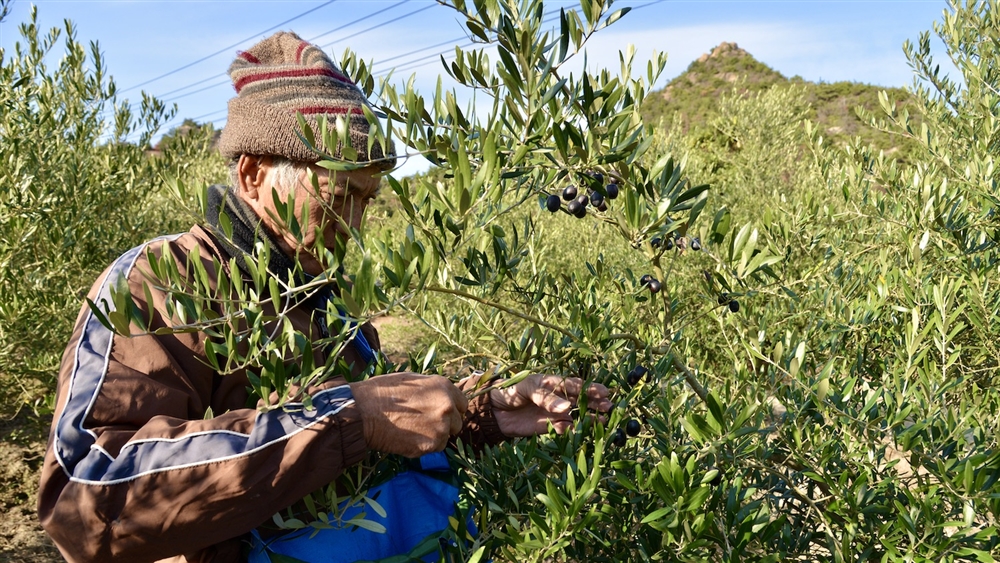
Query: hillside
[(694, 93)]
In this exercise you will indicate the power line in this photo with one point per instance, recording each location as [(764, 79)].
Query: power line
[(166, 127), (225, 49), (192, 85), (226, 81), (410, 65), (428, 7), (203, 116), (199, 90), (405, 66), (359, 20), (311, 40), (436, 45)]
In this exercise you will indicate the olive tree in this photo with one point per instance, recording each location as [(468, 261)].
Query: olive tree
[(74, 193)]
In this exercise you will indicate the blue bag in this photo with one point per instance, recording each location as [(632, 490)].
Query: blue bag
[(417, 503)]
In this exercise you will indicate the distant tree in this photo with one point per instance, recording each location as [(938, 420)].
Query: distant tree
[(74, 194)]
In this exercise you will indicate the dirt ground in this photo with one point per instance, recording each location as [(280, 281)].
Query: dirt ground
[(22, 447)]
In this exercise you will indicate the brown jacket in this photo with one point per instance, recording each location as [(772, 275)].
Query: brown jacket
[(135, 472)]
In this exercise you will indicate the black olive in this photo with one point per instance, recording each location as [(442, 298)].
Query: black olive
[(633, 427), (618, 439), (574, 207), (552, 203), (636, 375)]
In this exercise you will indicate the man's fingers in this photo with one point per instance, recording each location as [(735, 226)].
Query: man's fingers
[(551, 402), (570, 388), (597, 398), (457, 415), (564, 386), (561, 426), (460, 400), (456, 422), (597, 391)]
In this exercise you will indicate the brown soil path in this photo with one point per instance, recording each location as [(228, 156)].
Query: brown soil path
[(22, 447)]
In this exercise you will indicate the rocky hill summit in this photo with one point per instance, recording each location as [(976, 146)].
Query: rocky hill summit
[(717, 71), (692, 96)]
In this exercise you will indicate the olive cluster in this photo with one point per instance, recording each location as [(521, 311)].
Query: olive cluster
[(668, 243), (577, 202), (633, 426), (652, 283), (694, 244), (726, 299)]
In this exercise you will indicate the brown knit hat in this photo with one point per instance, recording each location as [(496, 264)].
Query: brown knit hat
[(280, 77)]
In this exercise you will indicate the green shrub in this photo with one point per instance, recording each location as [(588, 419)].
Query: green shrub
[(74, 194)]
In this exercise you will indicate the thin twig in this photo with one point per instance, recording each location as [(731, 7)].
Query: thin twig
[(504, 308)]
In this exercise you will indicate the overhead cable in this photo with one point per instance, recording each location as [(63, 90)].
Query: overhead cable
[(311, 40), (402, 67), (225, 49), (427, 7)]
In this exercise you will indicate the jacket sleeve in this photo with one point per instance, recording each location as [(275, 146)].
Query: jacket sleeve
[(134, 470), (480, 428)]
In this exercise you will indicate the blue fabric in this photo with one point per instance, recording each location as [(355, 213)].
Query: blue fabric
[(437, 461), (417, 505), (361, 345)]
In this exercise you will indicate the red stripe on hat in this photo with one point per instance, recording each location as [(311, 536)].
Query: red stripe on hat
[(298, 52), (310, 110), (247, 56), (299, 73)]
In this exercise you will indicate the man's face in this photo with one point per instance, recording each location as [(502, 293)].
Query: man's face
[(335, 202), (325, 202)]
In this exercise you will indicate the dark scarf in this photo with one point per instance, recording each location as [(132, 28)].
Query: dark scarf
[(247, 230)]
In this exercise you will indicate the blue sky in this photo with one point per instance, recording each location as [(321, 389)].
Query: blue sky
[(144, 39)]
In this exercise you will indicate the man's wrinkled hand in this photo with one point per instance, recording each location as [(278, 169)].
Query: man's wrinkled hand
[(528, 407), (409, 414)]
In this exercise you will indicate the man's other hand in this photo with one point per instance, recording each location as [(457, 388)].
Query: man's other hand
[(528, 407), (409, 414)]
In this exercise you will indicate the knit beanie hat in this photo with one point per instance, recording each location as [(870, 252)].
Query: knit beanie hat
[(280, 77)]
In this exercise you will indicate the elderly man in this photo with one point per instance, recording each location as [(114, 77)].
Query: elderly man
[(136, 471)]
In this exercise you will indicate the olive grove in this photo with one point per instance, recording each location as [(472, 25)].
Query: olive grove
[(800, 337)]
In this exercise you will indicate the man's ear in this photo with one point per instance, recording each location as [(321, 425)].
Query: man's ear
[(251, 175)]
